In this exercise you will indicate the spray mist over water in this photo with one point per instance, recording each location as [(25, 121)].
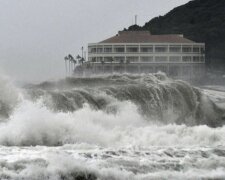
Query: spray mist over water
[(9, 97), (107, 123), (105, 110)]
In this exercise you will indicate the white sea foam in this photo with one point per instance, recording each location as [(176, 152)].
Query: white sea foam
[(67, 163), (34, 124), (101, 144)]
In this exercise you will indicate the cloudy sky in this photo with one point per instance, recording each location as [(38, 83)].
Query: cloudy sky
[(35, 35)]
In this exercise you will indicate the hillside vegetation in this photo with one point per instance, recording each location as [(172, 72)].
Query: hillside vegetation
[(198, 20)]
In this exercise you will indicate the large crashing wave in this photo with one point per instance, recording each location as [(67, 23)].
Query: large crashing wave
[(112, 111), (157, 97)]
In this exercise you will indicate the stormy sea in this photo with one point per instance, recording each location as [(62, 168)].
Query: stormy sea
[(116, 127)]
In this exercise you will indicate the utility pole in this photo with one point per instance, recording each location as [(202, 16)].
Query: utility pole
[(135, 17)]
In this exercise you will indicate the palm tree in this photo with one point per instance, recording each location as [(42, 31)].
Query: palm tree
[(78, 58), (74, 63), (71, 58)]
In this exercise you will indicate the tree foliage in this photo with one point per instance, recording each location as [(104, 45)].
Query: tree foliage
[(198, 20)]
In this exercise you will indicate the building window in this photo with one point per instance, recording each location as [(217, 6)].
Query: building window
[(132, 59), (108, 59), (202, 58), (161, 58), (99, 49), (196, 59), (119, 49), (161, 49), (186, 58), (202, 49), (99, 59), (186, 49), (108, 49), (132, 49), (147, 49), (146, 59), (175, 48), (93, 59), (119, 59), (92, 50), (196, 49), (174, 58)]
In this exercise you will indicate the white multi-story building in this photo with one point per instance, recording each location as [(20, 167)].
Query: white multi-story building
[(142, 52)]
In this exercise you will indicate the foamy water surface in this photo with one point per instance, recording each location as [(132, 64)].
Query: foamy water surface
[(93, 132)]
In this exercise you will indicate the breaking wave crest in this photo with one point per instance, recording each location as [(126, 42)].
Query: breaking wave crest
[(121, 110), (117, 127), (156, 96), (34, 124)]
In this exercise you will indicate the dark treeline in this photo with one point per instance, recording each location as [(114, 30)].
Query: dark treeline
[(198, 20)]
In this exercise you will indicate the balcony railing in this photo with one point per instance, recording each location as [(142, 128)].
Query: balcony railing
[(144, 49)]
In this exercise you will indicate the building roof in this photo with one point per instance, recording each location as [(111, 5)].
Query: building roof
[(145, 37)]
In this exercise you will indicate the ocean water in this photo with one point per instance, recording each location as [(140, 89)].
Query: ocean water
[(111, 127)]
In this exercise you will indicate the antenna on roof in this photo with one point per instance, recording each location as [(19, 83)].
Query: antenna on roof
[(135, 17)]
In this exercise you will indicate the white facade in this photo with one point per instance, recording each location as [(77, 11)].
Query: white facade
[(141, 52), (146, 53)]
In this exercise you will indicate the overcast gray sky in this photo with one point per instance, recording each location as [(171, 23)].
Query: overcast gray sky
[(35, 35)]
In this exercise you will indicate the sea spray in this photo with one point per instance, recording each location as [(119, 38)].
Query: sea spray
[(9, 97), (157, 97), (111, 127), (34, 124)]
